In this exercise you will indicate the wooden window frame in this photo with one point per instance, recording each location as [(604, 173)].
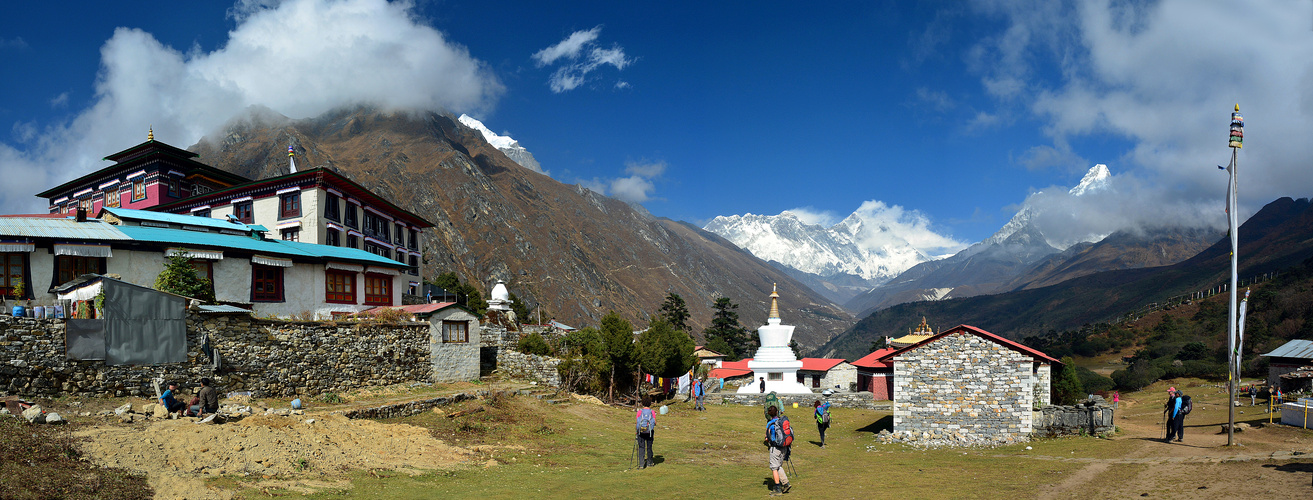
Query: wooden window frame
[(139, 189), (352, 241), (352, 217), (332, 210), (69, 267), (339, 287), (247, 206), (413, 242), (6, 277), (268, 275), (290, 234), (455, 332), (333, 237), (113, 197), (289, 205), (378, 289)]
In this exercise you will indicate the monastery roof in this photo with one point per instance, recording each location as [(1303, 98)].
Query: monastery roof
[(1039, 356), (820, 364), (912, 338), (872, 360)]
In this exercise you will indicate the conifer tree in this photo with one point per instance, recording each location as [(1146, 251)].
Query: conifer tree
[(675, 312), (725, 326)]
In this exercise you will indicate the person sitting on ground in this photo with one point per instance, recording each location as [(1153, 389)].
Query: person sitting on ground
[(170, 403), (206, 401)]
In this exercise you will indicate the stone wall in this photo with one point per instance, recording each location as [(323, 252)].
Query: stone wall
[(412, 407), (529, 367), (837, 400), (269, 358), (1090, 417), (964, 388), (455, 361)]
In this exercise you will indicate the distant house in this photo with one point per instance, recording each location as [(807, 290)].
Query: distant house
[(875, 376), (971, 382), (707, 356), (734, 373), (827, 373), (1290, 367)]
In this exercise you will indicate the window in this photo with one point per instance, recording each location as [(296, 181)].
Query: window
[(68, 267), (401, 236), (244, 212), (351, 220), (331, 210), (289, 205), (377, 227), (85, 204), (352, 241), (774, 376), (378, 250), (11, 272), (334, 238), (202, 213), (291, 234), (413, 243), (139, 189), (378, 290), (174, 190), (266, 283), (204, 269), (340, 287), (455, 331), (816, 381), (414, 264), (112, 197)]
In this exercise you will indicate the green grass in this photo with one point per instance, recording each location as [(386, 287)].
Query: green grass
[(583, 451)]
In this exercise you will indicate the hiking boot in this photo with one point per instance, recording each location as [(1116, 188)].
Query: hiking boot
[(775, 490), (785, 488)]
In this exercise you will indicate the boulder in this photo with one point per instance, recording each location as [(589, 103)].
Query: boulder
[(160, 412), (54, 418), (34, 414), (125, 418)]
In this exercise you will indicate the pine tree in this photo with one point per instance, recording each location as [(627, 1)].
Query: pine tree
[(675, 312), (618, 335), (520, 309), (664, 351), (725, 326), (1067, 388)]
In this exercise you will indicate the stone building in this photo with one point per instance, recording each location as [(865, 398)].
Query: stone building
[(875, 376), (827, 373), (455, 348), (1290, 367), (966, 384)]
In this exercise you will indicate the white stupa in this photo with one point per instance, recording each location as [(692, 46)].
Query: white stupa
[(774, 360), (501, 298)]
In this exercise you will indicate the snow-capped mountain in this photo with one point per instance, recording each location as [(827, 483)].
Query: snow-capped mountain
[(505, 144), (826, 253), (1097, 178)]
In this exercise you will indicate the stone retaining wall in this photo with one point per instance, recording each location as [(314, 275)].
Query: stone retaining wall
[(269, 358), (413, 407), (1080, 419), (529, 367), (837, 400)]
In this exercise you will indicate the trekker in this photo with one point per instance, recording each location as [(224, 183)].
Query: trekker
[(170, 403), (822, 418), (699, 393), (645, 430), (763, 384), (1180, 406), (774, 442), (1169, 412), (1116, 398)]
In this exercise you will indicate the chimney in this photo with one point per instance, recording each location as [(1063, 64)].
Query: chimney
[(82, 214)]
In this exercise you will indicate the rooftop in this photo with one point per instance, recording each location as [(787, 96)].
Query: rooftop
[(11, 227), (181, 220), (1299, 349)]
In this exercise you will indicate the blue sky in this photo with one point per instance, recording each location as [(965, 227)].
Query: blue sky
[(938, 119)]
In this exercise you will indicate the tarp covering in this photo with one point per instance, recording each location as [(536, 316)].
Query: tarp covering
[(143, 326), (271, 261), (83, 250), (12, 246), (85, 339)]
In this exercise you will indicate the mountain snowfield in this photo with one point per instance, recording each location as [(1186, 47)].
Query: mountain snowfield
[(505, 144), (1096, 179), (812, 248)]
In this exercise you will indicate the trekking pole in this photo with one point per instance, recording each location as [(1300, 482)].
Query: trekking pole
[(793, 470), (633, 451)]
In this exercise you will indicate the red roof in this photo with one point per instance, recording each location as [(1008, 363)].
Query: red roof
[(413, 308), (872, 360), (730, 369), (820, 364), (1039, 356)]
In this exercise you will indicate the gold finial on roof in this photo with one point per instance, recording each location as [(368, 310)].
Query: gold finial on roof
[(1237, 107), (150, 133), (923, 328), (774, 303)]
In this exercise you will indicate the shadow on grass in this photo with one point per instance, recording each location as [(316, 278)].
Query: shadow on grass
[(1294, 467), (884, 424)]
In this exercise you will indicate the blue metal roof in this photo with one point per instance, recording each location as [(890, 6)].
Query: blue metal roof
[(11, 227), (1300, 349), (183, 220), (344, 253), (297, 249)]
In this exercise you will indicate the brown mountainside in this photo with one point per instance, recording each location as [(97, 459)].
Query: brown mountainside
[(577, 253)]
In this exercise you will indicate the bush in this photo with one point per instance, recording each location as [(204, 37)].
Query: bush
[(534, 343), (1137, 376), (1093, 382)]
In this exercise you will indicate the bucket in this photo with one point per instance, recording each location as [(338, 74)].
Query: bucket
[(18, 311), (664, 409)]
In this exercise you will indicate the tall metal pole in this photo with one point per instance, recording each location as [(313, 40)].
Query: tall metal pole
[(1232, 219)]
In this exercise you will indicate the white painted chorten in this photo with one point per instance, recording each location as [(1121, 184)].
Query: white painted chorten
[(775, 361)]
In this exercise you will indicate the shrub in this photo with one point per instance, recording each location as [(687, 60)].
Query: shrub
[(534, 343)]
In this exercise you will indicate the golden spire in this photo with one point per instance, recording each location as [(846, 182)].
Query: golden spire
[(923, 328), (150, 133), (774, 303), (1237, 107)]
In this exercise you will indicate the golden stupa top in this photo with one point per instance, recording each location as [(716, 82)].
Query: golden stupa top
[(922, 329), (150, 133), (774, 303)]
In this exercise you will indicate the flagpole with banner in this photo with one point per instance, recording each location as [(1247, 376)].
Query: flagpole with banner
[(1232, 219)]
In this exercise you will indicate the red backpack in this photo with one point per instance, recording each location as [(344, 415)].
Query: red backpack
[(785, 430)]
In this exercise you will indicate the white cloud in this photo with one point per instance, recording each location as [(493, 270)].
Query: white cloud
[(884, 225), (297, 57), (15, 43), (59, 101), (936, 99), (1163, 76), (810, 215), (636, 188), (582, 56)]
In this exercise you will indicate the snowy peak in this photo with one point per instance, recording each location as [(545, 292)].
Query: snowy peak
[(510, 147), (1095, 179)]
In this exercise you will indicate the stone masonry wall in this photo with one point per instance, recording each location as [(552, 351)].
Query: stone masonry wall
[(529, 366), (837, 400), (1091, 417), (269, 358), (963, 387)]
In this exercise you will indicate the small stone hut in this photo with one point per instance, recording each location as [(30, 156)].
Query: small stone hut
[(968, 384)]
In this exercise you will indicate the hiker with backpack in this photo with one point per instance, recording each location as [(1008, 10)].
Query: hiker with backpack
[(699, 393), (779, 439), (645, 430), (1179, 406), (822, 418)]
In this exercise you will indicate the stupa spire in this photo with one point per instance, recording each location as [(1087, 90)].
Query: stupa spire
[(774, 303), (150, 133), (291, 157)]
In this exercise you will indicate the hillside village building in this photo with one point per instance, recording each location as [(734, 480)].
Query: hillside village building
[(971, 383), (1290, 367), (875, 376)]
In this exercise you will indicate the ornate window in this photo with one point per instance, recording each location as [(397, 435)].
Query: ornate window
[(266, 283), (112, 197), (340, 287), (139, 189), (245, 212), (289, 205), (378, 290)]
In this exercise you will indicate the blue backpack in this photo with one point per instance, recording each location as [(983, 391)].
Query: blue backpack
[(646, 421), (823, 413)]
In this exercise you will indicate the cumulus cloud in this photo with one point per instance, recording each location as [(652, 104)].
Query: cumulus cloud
[(579, 55), (885, 225), (810, 215), (637, 187), (297, 57), (1125, 204), (1163, 76)]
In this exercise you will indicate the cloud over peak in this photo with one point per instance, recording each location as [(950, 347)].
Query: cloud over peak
[(580, 55)]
